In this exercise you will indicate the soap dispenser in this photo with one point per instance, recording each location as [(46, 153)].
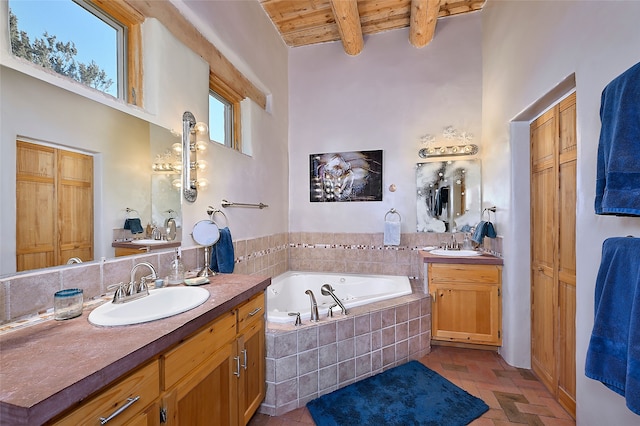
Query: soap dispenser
[(176, 270), (466, 243)]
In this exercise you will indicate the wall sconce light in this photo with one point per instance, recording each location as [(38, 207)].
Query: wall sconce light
[(448, 151), (194, 140), (449, 134)]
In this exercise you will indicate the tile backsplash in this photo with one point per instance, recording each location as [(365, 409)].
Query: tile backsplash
[(30, 293)]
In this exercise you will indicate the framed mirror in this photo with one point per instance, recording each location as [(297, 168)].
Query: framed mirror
[(448, 195), (123, 148)]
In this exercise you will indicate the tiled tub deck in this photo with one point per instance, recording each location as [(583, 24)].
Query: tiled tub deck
[(317, 358)]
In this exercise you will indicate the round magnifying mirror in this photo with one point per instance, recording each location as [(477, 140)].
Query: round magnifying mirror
[(205, 233)]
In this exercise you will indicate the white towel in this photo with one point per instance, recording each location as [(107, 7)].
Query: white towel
[(391, 233)]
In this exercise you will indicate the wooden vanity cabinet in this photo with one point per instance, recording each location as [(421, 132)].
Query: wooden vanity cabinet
[(217, 376), (252, 352), (214, 377), (143, 384), (466, 303)]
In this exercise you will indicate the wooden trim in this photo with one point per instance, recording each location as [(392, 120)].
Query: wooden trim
[(348, 21), (234, 98), (422, 24), (183, 30)]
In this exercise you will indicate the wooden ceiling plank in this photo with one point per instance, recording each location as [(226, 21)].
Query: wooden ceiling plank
[(424, 16), (348, 20)]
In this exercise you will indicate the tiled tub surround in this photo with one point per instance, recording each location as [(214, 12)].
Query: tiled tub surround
[(30, 293), (317, 358)]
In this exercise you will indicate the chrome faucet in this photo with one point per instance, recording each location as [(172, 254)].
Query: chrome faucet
[(131, 291), (143, 285), (327, 290), (314, 306)]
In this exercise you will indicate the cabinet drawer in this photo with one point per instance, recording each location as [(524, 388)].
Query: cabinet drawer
[(192, 352), (143, 384), (485, 274), (249, 311)]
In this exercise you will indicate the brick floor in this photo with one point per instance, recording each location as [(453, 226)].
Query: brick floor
[(514, 395)]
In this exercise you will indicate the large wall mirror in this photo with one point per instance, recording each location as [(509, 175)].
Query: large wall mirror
[(124, 149), (448, 195)]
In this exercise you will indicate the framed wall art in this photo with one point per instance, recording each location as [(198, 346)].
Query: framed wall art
[(345, 176)]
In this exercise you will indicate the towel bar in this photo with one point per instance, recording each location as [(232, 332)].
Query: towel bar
[(226, 203)]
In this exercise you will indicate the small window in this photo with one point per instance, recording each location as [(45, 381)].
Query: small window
[(79, 40), (220, 119), (224, 114)]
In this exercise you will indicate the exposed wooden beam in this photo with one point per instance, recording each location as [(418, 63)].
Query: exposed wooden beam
[(348, 21), (165, 12), (422, 27)]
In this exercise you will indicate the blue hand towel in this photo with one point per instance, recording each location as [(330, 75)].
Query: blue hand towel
[(618, 172), (133, 225), (613, 356), (222, 254), (483, 229)]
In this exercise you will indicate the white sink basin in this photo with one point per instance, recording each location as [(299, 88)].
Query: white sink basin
[(456, 253), (161, 303), (147, 242)]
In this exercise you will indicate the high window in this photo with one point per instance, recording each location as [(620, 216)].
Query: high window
[(224, 114), (94, 43)]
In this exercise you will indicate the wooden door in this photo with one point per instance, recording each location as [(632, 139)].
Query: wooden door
[(253, 373), (553, 207), (54, 206), (75, 206), (543, 242), (567, 254), (208, 396), (36, 206)]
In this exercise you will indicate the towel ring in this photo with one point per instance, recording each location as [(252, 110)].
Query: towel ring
[(172, 213), (129, 211), (211, 211), (393, 211), (488, 210)]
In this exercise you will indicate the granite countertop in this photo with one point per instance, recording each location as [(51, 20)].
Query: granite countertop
[(483, 259), (47, 367), (133, 244)]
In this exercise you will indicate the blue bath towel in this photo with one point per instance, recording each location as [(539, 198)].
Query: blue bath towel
[(618, 173), (613, 356), (222, 254)]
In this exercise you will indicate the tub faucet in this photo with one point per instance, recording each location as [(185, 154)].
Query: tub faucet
[(327, 290), (314, 306)]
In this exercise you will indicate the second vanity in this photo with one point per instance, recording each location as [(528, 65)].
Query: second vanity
[(209, 362), (466, 298)]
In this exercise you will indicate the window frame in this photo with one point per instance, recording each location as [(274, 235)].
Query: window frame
[(226, 94), (132, 20)]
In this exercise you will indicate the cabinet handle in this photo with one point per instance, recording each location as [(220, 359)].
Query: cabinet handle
[(255, 311), (130, 401), (237, 372), (244, 352), (433, 297)]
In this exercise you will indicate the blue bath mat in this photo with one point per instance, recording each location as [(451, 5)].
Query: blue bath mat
[(410, 394)]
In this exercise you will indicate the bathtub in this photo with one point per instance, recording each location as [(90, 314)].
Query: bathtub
[(287, 292)]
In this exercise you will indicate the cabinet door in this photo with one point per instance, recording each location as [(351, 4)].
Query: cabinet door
[(207, 395), (252, 374), (122, 402), (466, 313)]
